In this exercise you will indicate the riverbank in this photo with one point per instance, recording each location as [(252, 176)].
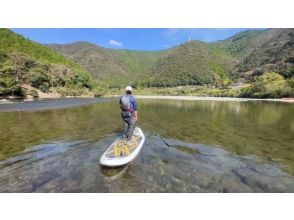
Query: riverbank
[(12, 99), (204, 98), (45, 104), (243, 91), (38, 95), (188, 98)]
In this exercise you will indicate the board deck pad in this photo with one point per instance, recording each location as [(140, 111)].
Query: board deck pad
[(121, 148)]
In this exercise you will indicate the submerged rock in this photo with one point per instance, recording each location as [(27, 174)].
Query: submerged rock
[(61, 166)]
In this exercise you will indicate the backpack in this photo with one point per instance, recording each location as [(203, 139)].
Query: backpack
[(125, 103)]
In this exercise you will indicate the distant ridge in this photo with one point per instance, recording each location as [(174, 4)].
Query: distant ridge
[(242, 56)]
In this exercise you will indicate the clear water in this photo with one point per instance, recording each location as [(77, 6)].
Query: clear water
[(191, 146)]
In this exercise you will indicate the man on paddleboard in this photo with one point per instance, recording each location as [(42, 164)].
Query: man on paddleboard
[(129, 112)]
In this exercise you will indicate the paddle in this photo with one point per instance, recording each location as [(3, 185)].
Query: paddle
[(156, 134), (163, 140)]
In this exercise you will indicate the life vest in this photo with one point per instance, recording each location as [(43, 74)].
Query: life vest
[(125, 104)]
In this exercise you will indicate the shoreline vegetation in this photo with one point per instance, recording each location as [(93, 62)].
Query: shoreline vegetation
[(7, 100), (245, 91), (269, 86), (211, 98)]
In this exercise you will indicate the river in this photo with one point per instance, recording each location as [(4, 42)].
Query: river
[(212, 146)]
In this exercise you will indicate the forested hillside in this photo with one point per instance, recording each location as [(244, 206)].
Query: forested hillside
[(23, 62), (253, 63), (260, 51), (193, 63), (111, 65)]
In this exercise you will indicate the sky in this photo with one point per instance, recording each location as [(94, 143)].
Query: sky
[(127, 38)]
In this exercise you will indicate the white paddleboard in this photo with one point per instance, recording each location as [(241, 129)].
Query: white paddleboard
[(122, 152)]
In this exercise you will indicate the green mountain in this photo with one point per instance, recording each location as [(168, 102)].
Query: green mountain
[(25, 62), (239, 45), (107, 64), (192, 63), (241, 57), (260, 51)]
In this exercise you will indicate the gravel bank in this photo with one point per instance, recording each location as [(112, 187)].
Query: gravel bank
[(199, 98)]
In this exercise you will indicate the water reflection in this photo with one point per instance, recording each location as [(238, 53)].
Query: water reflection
[(214, 147), (263, 129)]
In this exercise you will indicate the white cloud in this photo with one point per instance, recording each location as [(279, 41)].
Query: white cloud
[(115, 43)]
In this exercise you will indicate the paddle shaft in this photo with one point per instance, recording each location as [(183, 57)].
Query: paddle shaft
[(139, 123)]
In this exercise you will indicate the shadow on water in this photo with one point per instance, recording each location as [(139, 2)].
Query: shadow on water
[(214, 147)]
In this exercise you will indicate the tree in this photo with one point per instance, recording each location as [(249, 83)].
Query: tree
[(268, 85), (8, 85), (38, 79)]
